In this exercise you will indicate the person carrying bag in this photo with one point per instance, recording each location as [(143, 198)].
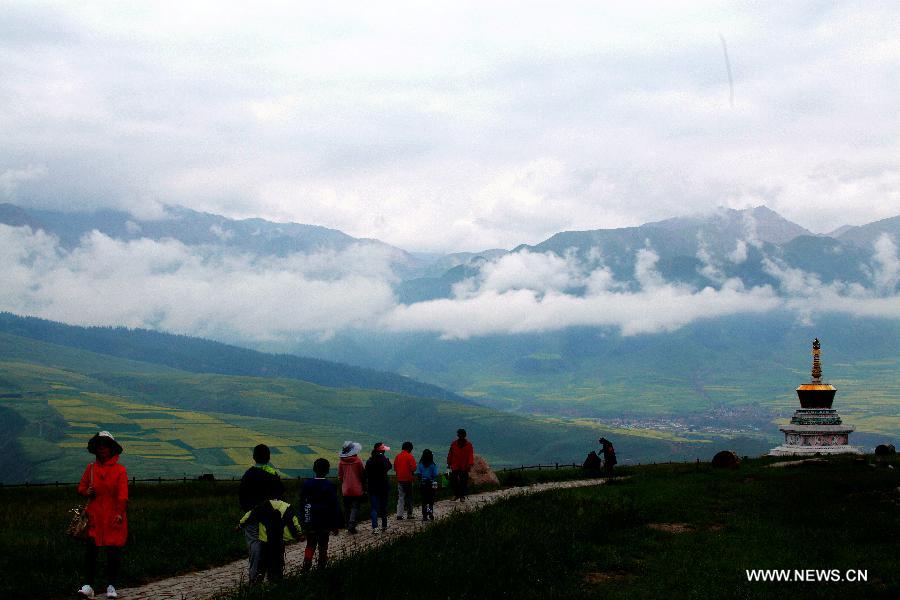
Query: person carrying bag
[(105, 484), (78, 526)]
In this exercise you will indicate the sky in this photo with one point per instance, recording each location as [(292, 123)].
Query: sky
[(439, 128), (453, 126)]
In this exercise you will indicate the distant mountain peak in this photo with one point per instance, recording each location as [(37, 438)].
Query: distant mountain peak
[(865, 235), (758, 222)]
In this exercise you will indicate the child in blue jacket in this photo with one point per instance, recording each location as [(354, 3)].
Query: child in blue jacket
[(427, 472), (320, 514)]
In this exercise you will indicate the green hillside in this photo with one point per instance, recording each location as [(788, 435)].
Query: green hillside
[(206, 356), (175, 423)]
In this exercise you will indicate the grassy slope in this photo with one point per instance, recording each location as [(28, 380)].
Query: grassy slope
[(199, 355), (598, 543), (174, 423)]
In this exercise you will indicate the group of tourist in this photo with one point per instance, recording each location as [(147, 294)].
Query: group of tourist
[(320, 516), (268, 520), (358, 479)]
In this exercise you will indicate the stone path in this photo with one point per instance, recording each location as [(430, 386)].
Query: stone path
[(208, 583)]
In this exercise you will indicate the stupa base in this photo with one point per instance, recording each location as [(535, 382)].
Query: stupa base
[(786, 450), (809, 440)]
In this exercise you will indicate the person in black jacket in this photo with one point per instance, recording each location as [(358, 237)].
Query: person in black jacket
[(320, 514), (377, 468), (609, 456), (259, 484)]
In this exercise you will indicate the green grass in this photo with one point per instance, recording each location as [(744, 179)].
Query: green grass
[(173, 528), (611, 542), (588, 543)]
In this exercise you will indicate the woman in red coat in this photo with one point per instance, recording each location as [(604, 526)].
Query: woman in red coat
[(105, 483)]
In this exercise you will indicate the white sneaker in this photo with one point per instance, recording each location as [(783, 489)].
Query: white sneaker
[(111, 592), (375, 531), (86, 591)]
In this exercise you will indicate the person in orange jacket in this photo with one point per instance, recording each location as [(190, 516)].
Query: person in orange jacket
[(460, 460), (105, 483), (405, 468)]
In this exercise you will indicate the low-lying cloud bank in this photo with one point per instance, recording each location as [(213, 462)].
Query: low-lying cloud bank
[(200, 291), (209, 292)]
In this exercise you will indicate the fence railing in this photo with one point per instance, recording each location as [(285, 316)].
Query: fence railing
[(554, 466)]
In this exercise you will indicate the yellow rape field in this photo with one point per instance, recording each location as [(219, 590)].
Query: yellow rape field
[(156, 433), (81, 411)]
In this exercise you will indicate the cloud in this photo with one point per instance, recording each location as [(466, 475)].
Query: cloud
[(222, 234), (739, 254), (524, 311), (539, 272), (807, 296), (658, 306), (645, 270), (887, 271), (12, 179), (227, 295), (793, 281), (169, 286)]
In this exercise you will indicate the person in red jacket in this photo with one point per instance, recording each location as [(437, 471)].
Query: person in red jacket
[(105, 483), (460, 460), (405, 468)]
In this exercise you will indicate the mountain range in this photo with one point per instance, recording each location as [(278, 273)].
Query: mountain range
[(736, 240), (697, 250)]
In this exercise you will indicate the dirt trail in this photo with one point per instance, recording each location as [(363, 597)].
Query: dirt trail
[(204, 584)]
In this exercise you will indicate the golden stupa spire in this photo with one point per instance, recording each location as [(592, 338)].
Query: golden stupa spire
[(817, 366)]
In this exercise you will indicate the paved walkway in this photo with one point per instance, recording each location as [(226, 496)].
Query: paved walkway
[(205, 584)]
